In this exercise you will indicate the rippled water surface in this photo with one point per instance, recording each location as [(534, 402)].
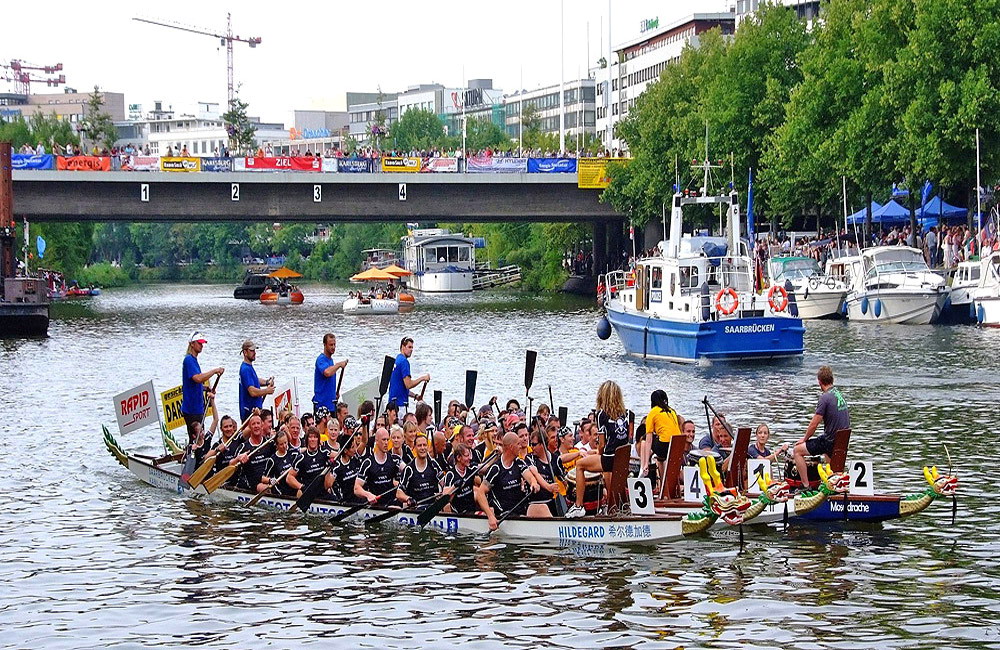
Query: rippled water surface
[(91, 557)]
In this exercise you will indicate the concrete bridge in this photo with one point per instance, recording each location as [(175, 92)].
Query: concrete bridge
[(315, 197)]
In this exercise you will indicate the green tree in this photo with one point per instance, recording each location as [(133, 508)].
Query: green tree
[(97, 125), (483, 133), (242, 132), (417, 129)]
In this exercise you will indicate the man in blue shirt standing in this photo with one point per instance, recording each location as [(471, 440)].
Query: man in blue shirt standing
[(326, 392), (192, 378), (400, 382), (251, 392)]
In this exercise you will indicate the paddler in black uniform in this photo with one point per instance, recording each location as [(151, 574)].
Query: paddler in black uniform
[(252, 470), (282, 460), (311, 464), (380, 469), (502, 490), (420, 478), (346, 488), (547, 470), (457, 481), (229, 447)]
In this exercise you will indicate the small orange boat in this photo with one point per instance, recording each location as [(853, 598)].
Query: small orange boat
[(291, 296)]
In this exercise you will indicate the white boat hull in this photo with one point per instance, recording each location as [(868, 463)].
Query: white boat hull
[(442, 281), (820, 303), (373, 306), (906, 308), (988, 311)]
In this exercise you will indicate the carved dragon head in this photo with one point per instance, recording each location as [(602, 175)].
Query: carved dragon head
[(774, 492), (725, 503), (834, 482), (942, 485)]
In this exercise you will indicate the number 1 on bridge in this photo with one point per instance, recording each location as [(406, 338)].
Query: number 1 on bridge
[(144, 192)]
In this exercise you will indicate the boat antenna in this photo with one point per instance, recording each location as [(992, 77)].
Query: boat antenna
[(706, 159)]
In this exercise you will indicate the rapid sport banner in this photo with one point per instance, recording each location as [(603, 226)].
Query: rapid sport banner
[(178, 164), (283, 163), (33, 161), (136, 408), (84, 163), (496, 165), (592, 173), (551, 165), (171, 401), (401, 164)]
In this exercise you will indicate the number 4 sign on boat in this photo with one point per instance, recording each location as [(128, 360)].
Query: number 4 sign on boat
[(694, 487)]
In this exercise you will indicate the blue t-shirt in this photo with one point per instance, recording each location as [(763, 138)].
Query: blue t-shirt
[(324, 388), (193, 400), (397, 389), (248, 377)]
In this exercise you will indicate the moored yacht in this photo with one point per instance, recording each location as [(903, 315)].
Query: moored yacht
[(440, 261), (695, 299), (986, 296), (891, 284), (816, 295), (958, 308)]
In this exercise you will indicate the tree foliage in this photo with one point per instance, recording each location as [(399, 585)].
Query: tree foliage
[(417, 129), (96, 124), (242, 132)]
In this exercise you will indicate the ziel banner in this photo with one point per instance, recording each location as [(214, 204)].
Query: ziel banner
[(592, 173), (171, 401), (354, 165), (33, 161), (140, 163), (216, 164), (178, 164), (496, 165), (83, 163), (440, 165), (283, 164), (136, 408), (401, 164), (551, 165)]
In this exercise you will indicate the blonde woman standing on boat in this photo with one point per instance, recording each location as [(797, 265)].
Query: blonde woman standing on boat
[(614, 429)]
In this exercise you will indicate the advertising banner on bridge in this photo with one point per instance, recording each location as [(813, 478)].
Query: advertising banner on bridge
[(329, 165), (179, 164), (354, 165), (401, 164), (551, 165), (136, 408), (140, 163), (592, 173), (171, 401), (84, 163), (440, 165), (33, 161), (216, 164), (282, 164), (496, 165)]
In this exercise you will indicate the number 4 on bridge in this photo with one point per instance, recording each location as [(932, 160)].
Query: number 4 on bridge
[(402, 191)]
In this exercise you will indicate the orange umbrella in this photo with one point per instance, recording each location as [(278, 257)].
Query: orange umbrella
[(373, 275), (284, 273), (396, 270)]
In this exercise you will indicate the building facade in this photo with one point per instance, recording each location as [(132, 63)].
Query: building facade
[(70, 105), (579, 104)]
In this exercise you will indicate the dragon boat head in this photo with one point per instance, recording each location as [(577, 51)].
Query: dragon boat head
[(942, 485), (774, 491), (725, 503), (834, 482)]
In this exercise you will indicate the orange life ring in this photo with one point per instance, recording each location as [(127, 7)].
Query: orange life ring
[(782, 303), (728, 291)]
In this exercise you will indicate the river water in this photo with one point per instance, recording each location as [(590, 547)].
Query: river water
[(92, 557)]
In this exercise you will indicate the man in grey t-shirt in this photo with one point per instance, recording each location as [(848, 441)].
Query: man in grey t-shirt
[(832, 411)]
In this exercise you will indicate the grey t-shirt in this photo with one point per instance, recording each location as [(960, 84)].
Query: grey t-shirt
[(833, 407)]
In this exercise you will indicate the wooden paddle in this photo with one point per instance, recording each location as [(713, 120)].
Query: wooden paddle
[(432, 510), (206, 466), (315, 486), (353, 509), (223, 475), (530, 356), (260, 495), (552, 401)]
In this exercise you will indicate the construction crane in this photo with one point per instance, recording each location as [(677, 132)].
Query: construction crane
[(18, 72), (226, 39)]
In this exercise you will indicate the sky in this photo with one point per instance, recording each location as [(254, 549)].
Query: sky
[(312, 53)]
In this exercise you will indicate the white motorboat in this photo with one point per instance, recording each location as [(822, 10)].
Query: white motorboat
[(362, 305), (816, 295), (958, 308), (986, 295), (440, 261), (891, 284)]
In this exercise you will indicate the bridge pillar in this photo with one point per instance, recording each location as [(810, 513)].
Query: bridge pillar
[(600, 247), (615, 245)]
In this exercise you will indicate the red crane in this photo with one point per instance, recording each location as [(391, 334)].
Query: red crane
[(226, 39), (18, 72)]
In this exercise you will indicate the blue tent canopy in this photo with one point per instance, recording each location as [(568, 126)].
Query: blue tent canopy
[(890, 214), (938, 208), (859, 216)]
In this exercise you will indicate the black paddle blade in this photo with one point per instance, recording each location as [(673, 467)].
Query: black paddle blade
[(438, 396), (530, 356), (382, 517), (432, 510), (387, 365), (310, 493), (563, 416), (470, 387)]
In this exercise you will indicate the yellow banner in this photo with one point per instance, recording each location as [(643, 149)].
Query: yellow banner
[(401, 164), (171, 402), (592, 173), (180, 164)]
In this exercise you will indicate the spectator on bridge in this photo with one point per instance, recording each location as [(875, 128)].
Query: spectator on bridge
[(184, 152)]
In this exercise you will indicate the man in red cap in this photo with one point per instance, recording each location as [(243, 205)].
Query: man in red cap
[(192, 378)]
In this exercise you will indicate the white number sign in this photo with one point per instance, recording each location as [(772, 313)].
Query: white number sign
[(235, 192), (402, 191), (862, 477), (757, 468), (640, 496), (144, 192), (694, 487), (317, 193)]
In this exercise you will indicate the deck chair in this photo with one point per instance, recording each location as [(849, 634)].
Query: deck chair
[(618, 490), (838, 456), (670, 479), (736, 477)]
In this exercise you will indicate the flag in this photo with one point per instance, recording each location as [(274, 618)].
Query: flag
[(899, 191), (750, 224), (40, 243), (924, 195)]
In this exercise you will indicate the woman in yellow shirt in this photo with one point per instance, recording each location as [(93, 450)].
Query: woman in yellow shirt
[(662, 424)]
